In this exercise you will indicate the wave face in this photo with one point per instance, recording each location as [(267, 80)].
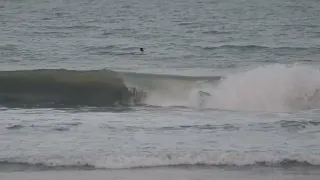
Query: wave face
[(268, 88), (59, 87), (168, 160)]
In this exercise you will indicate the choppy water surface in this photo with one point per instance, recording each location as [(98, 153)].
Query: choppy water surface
[(230, 87)]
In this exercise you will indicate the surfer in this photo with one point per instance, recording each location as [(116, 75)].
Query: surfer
[(141, 49), (202, 93)]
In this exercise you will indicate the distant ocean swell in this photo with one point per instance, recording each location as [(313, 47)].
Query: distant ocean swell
[(257, 47), (151, 161), (59, 87)]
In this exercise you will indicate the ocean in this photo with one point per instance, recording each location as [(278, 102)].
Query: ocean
[(224, 90)]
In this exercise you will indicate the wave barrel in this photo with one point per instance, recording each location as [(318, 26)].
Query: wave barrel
[(59, 87)]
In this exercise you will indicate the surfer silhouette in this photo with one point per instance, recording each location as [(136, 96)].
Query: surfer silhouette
[(141, 49), (202, 93)]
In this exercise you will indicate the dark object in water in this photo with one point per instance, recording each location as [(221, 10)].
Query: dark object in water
[(137, 94), (202, 93), (141, 49)]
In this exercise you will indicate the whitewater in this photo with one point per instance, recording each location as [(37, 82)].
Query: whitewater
[(275, 88)]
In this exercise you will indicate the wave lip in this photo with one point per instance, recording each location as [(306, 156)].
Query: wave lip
[(60, 87), (166, 160)]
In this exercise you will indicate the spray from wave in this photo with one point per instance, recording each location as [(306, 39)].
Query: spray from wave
[(269, 88)]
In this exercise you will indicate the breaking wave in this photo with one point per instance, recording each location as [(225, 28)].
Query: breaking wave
[(60, 87), (167, 160), (268, 88), (72, 88)]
